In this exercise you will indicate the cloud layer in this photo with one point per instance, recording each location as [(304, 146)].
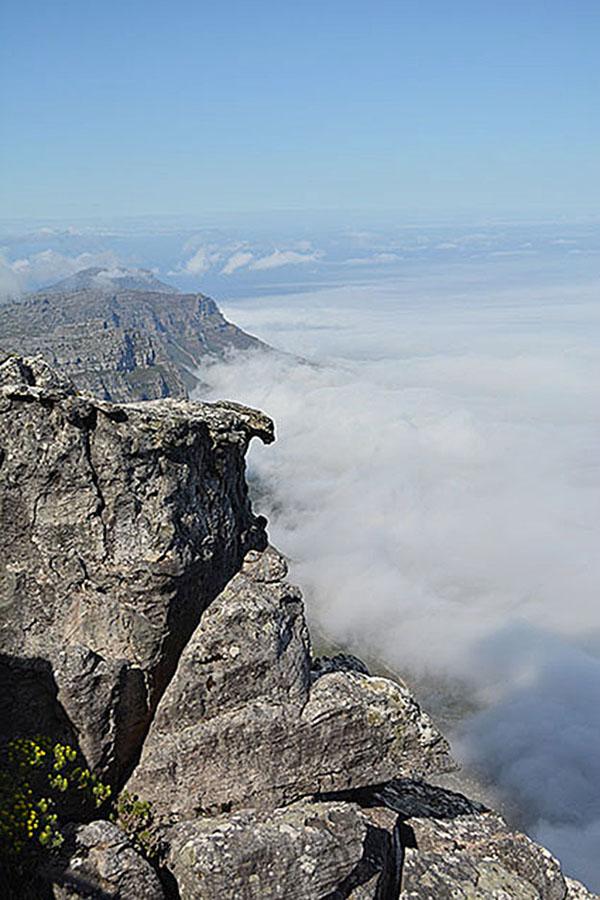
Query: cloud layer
[(437, 485)]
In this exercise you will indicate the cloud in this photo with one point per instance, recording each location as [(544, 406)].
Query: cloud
[(436, 484), (201, 262), (48, 266), (237, 261), (10, 283), (377, 259), (541, 739), (284, 258)]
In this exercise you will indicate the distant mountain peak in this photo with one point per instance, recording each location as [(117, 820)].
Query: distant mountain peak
[(111, 279)]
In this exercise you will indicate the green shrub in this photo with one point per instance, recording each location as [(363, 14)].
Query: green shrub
[(136, 818), (41, 782)]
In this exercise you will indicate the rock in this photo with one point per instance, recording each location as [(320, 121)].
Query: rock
[(577, 891), (455, 848), (406, 839), (341, 662), (29, 702), (303, 852), (102, 865), (240, 724), (118, 526), (122, 335)]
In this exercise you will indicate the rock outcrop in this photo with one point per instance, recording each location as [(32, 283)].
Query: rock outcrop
[(144, 615), (244, 681), (307, 849), (120, 524), (99, 861), (121, 336)]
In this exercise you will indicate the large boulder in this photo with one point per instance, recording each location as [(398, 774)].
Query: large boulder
[(119, 524), (304, 851), (242, 722), (99, 863), (453, 847), (407, 839)]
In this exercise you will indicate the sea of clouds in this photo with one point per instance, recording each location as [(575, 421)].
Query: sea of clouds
[(436, 483)]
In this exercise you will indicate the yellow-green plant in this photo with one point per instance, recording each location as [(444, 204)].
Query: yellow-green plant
[(136, 818), (39, 780)]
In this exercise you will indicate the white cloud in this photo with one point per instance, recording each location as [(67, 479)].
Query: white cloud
[(237, 261), (10, 283), (48, 266), (203, 259), (436, 482), (377, 259), (284, 258)]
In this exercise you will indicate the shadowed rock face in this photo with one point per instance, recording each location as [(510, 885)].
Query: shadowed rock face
[(118, 526), (124, 337)]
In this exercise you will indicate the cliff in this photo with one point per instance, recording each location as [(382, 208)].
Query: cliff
[(123, 336), (145, 617)]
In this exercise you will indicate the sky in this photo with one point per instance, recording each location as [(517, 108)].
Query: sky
[(132, 108)]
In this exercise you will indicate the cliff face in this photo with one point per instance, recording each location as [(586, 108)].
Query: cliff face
[(122, 338), (119, 525), (144, 615)]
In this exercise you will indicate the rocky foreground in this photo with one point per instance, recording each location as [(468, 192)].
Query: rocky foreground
[(145, 618)]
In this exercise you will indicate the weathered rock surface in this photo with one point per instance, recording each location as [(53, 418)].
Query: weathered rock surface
[(122, 336), (118, 526), (305, 850), (406, 840), (577, 891), (242, 701), (455, 848), (102, 865)]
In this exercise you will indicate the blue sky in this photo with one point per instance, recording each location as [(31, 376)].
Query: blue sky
[(127, 108)]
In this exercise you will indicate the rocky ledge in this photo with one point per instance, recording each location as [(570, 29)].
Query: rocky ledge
[(145, 616)]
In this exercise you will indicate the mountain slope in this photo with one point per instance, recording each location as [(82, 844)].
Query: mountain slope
[(122, 336)]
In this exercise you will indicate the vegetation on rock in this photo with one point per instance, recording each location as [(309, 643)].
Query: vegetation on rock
[(136, 818), (42, 783)]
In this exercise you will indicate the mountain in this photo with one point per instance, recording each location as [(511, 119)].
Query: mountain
[(147, 623), (122, 335), (117, 279)]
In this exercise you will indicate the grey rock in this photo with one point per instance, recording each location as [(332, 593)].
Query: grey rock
[(303, 852), (577, 891), (341, 662), (118, 526), (122, 336), (456, 848), (241, 725), (102, 865), (137, 585)]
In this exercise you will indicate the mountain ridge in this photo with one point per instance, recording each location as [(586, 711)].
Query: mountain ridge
[(109, 279), (122, 335)]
